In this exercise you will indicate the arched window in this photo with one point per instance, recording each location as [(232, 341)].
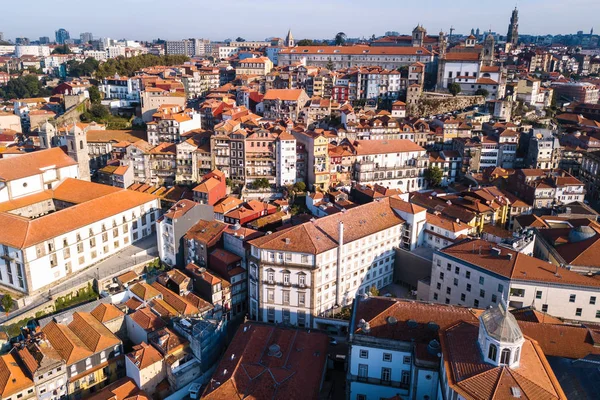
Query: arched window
[(505, 356), (492, 352), (81, 144)]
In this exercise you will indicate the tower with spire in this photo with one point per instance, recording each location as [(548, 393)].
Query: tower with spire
[(289, 39), (512, 37)]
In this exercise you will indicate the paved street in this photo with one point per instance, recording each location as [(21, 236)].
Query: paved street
[(141, 251)]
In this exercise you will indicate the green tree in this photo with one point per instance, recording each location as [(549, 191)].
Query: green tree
[(300, 187), (7, 303), (482, 92), (262, 183), (95, 95), (330, 66), (24, 86), (240, 39), (128, 66), (99, 111), (63, 49), (434, 175), (340, 39), (454, 88), (305, 42)]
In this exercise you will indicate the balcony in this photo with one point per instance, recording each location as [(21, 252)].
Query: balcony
[(382, 382)]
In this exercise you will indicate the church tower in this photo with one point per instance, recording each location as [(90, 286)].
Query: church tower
[(418, 36), (512, 37), (442, 45), (77, 149), (488, 50), (289, 39), (46, 134)]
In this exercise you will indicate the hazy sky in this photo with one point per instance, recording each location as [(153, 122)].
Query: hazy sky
[(258, 19)]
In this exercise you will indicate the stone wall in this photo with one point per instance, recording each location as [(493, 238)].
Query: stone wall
[(433, 104)]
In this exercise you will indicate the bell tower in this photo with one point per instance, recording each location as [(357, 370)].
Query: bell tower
[(488, 50), (77, 149)]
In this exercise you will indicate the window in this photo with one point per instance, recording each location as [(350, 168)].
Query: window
[(387, 357), (505, 356), (386, 374), (271, 314), (363, 370), (286, 297), (468, 274), (286, 315), (439, 286), (544, 307), (361, 397), (406, 360), (435, 296), (481, 293), (593, 300), (457, 270), (494, 298), (538, 294), (270, 276), (462, 297), (598, 314), (481, 280), (468, 287), (455, 282), (286, 278), (405, 377), (448, 290), (270, 296), (476, 303), (301, 299), (441, 275), (572, 298), (364, 354), (448, 267), (492, 352), (500, 288), (578, 312)]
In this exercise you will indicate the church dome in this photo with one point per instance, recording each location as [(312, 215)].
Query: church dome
[(581, 233), (501, 325), (419, 28)]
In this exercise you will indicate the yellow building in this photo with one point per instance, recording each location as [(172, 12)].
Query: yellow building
[(317, 148), (260, 66)]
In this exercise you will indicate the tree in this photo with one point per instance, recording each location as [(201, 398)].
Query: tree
[(482, 92), (374, 291), (434, 176), (262, 183), (7, 303), (63, 49), (95, 95), (87, 68), (305, 42), (330, 66), (300, 187), (99, 111), (340, 39), (454, 88), (128, 66), (240, 39), (23, 87)]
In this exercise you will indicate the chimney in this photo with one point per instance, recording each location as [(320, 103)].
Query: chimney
[(340, 255)]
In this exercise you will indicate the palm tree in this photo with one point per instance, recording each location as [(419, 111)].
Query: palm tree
[(340, 38)]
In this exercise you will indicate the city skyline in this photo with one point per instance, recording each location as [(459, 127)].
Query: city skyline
[(146, 23)]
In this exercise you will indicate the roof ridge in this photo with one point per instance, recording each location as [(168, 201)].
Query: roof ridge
[(515, 373)]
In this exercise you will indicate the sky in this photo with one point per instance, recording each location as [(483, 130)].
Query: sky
[(312, 19)]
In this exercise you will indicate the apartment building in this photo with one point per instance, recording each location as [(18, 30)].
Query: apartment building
[(170, 122), (415, 350), (317, 161), (259, 66), (481, 274), (397, 164), (544, 150), (284, 103), (91, 352), (298, 273)]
